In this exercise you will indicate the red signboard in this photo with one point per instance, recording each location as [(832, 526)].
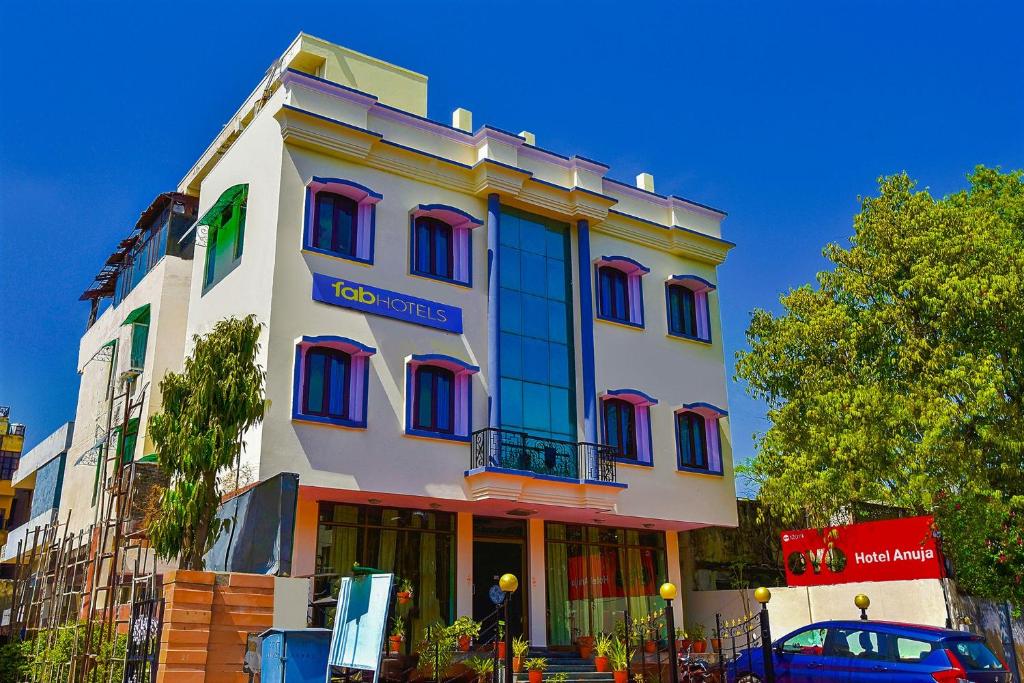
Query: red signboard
[(870, 551)]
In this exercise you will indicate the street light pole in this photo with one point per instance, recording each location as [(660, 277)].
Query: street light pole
[(668, 594), (862, 602), (508, 583), (763, 595)]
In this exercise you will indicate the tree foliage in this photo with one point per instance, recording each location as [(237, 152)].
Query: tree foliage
[(198, 434), (901, 374)]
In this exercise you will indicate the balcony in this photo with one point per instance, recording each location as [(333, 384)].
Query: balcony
[(516, 466)]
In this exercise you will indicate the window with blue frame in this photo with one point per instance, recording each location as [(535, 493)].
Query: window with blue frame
[(620, 427), (613, 289), (434, 402), (334, 221), (326, 383), (682, 311), (691, 440), (433, 248)]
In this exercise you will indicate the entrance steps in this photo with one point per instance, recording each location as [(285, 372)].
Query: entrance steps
[(579, 670)]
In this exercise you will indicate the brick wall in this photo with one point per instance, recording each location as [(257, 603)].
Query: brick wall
[(207, 619)]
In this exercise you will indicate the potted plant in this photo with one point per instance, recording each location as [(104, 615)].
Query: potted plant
[(500, 635), (618, 657), (404, 593), (698, 634), (560, 677), (520, 646), (397, 635), (682, 641), (716, 644), (602, 644), (585, 646), (536, 666), (650, 631), (465, 629), (482, 667)]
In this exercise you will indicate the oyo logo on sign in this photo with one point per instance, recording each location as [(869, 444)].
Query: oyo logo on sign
[(871, 551)]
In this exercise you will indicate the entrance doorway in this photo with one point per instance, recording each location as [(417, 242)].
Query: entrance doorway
[(499, 547)]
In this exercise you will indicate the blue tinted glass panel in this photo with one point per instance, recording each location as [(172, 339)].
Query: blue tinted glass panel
[(535, 316), (557, 323), (509, 231), (532, 237), (556, 280), (509, 267), (535, 360), (534, 274), (512, 404), (536, 408), (558, 365), (511, 355)]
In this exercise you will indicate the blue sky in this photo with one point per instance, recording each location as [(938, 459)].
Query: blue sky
[(780, 113)]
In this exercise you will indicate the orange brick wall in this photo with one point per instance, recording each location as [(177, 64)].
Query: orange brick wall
[(207, 619)]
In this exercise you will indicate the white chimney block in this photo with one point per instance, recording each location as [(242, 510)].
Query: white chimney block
[(530, 138), (462, 119), (645, 181)]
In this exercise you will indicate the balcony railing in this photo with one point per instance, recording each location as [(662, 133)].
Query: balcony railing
[(521, 451)]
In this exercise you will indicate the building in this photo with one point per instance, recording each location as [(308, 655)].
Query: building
[(39, 479), (12, 441), (482, 356)]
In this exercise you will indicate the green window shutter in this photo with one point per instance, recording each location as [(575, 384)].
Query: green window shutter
[(139, 315), (140, 337), (225, 222)]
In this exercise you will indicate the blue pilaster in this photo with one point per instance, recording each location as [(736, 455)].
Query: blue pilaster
[(493, 327), (587, 332)]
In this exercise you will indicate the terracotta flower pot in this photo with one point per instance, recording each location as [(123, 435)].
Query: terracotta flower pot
[(716, 644), (683, 645), (700, 646), (620, 676), (601, 664), (585, 645), (501, 650), (395, 643), (536, 676), (650, 646), (517, 664), (464, 643), (404, 597)]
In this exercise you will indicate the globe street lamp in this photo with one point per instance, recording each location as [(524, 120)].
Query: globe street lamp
[(763, 595), (508, 583), (668, 594), (862, 602)]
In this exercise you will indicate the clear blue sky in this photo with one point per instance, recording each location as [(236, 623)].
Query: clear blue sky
[(779, 113)]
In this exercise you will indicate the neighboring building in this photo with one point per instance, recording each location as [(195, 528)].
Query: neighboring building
[(129, 347), (12, 441), (482, 356), (39, 478)]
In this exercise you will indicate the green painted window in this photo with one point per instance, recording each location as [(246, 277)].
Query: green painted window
[(225, 222), (536, 346)]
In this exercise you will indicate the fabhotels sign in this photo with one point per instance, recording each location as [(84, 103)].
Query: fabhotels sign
[(369, 299)]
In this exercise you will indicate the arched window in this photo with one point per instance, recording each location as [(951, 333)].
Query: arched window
[(434, 404), (620, 427), (619, 291), (334, 224), (340, 219), (686, 298), (698, 445), (331, 376), (433, 252), (326, 383), (438, 397), (626, 424), (440, 243)]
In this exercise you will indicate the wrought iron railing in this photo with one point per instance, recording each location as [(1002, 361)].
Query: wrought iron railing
[(521, 451)]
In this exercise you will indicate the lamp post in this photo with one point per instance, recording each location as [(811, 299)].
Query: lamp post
[(668, 594), (862, 602), (508, 583), (763, 595)]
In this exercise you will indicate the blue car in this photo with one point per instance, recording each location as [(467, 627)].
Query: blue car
[(873, 652)]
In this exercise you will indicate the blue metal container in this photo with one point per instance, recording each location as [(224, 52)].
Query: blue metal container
[(294, 655)]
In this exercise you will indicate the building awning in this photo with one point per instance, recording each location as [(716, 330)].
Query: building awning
[(139, 315), (233, 195)]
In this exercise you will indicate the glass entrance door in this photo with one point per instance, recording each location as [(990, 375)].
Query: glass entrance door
[(499, 547)]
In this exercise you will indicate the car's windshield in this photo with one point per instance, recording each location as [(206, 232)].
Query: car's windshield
[(974, 654)]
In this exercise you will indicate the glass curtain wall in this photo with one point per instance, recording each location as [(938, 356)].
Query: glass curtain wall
[(414, 544), (537, 368), (598, 575)]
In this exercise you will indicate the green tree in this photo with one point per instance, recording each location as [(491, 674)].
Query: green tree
[(901, 375), (198, 434)]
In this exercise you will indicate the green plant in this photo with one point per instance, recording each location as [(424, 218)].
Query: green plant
[(560, 677), (198, 433), (536, 664), (697, 631), (50, 654), (404, 586), (680, 634), (481, 665), (465, 627), (398, 627), (14, 662), (501, 631), (638, 678), (520, 646), (602, 644), (618, 655), (437, 645)]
